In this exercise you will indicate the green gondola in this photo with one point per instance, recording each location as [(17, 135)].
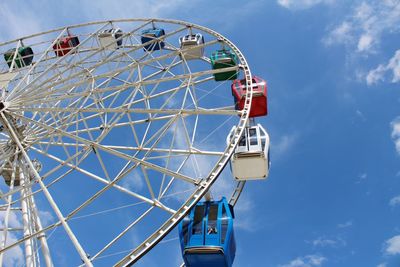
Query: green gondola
[(224, 59), (23, 58)]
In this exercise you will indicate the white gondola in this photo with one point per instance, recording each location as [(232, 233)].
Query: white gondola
[(192, 42), (250, 160), (110, 39)]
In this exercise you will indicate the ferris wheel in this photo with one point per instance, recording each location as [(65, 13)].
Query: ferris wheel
[(111, 132)]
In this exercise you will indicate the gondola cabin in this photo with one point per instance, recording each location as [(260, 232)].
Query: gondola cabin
[(224, 59), (65, 44), (111, 38), (206, 235), (192, 45), (149, 35), (250, 160), (22, 58), (259, 100), (7, 174), (8, 169)]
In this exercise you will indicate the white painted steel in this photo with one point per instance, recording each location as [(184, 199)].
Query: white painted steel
[(71, 111)]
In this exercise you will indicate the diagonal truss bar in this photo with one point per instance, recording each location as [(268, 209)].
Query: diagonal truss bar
[(113, 152), (54, 206)]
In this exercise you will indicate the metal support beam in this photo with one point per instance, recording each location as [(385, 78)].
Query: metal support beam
[(46, 192)]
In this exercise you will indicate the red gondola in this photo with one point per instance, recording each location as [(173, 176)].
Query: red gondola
[(65, 44), (259, 101)]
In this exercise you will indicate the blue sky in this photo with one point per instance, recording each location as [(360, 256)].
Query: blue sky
[(333, 71)]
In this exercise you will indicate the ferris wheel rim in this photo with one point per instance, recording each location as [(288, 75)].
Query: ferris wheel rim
[(204, 186)]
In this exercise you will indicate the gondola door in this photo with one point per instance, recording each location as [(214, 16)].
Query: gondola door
[(254, 142), (212, 227), (198, 226)]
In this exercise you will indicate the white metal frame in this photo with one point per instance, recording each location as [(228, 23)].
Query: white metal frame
[(65, 109)]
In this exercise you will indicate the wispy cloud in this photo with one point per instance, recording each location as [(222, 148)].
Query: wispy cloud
[(362, 30), (345, 225), (379, 73), (129, 9), (46, 217), (13, 256), (381, 265), (283, 144), (302, 4), (395, 124), (19, 21), (306, 261), (328, 242), (361, 178), (392, 245), (395, 201)]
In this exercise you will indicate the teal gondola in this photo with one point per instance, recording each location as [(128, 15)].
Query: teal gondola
[(221, 59), (23, 58)]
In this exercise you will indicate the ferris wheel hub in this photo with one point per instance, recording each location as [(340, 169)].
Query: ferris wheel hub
[(4, 105)]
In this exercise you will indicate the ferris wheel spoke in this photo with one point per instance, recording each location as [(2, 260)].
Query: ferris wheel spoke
[(47, 194), (61, 59), (5, 224), (112, 183), (131, 66), (201, 111), (118, 153), (130, 123), (116, 89), (20, 89), (122, 233), (168, 161), (54, 81), (169, 151), (99, 179), (130, 115), (54, 103)]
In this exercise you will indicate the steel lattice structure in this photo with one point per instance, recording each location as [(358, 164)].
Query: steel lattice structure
[(101, 127)]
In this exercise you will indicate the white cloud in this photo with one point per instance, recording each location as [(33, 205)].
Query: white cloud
[(13, 256), (306, 261), (249, 222), (381, 265), (345, 225), (395, 201), (392, 245), (396, 133), (13, 220), (323, 242), (129, 9), (46, 217), (326, 242), (341, 34), (283, 145), (134, 181), (302, 4), (393, 67), (19, 21), (365, 42), (363, 29), (361, 177)]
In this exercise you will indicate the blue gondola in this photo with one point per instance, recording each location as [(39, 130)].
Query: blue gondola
[(207, 236), (151, 34)]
